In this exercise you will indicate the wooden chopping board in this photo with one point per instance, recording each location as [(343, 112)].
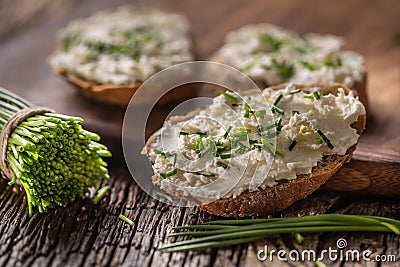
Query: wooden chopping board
[(24, 70)]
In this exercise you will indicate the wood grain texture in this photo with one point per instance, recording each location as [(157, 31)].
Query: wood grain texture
[(88, 235)]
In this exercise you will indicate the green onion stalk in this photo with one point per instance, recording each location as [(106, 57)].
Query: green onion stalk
[(54, 159), (233, 232)]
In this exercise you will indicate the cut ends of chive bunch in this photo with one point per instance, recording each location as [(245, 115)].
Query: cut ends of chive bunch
[(223, 233), (52, 156)]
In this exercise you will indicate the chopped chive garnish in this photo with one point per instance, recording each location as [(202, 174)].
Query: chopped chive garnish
[(295, 91), (209, 148), (333, 63), (309, 96), (225, 155), (236, 104), (292, 145), (207, 174), (222, 149), (271, 149), (299, 238), (247, 110), (269, 134), (295, 112), (223, 165), (101, 193), (126, 219), (278, 124), (227, 131), (228, 96), (279, 110), (157, 151), (326, 139), (241, 148), (199, 145), (260, 113), (251, 142), (168, 174), (317, 95), (276, 102), (319, 141), (270, 126), (309, 66), (190, 133)]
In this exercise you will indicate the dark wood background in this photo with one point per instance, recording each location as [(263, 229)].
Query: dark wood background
[(87, 235)]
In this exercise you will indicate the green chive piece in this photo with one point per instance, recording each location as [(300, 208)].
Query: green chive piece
[(190, 133), (326, 139), (292, 145), (278, 110), (227, 131), (260, 113), (271, 149), (101, 193), (317, 95), (247, 110), (319, 141), (299, 238), (236, 104), (276, 102), (295, 112), (168, 174), (126, 219), (225, 155), (199, 145), (309, 66), (223, 165), (309, 96), (278, 124), (320, 263), (295, 92), (207, 174), (228, 96)]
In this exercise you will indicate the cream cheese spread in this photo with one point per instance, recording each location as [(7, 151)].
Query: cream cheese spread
[(273, 55), (123, 46), (254, 141)]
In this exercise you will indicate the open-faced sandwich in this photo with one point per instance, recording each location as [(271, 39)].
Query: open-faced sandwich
[(109, 54), (272, 55), (256, 153)]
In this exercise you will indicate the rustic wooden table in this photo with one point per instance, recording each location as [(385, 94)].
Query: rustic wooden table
[(84, 234)]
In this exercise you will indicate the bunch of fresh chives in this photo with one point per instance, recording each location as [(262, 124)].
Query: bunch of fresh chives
[(54, 159), (232, 232)]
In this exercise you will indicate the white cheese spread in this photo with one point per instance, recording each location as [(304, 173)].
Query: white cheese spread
[(254, 141), (123, 46), (273, 55)]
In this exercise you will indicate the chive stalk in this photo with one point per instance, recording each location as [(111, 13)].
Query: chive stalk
[(126, 219), (223, 233), (101, 193)]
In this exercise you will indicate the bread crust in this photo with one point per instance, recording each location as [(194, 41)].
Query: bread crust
[(285, 193), (115, 94)]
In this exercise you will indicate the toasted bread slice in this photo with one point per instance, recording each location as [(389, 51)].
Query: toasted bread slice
[(109, 54), (118, 95), (286, 192)]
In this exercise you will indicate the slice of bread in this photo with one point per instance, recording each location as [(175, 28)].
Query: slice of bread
[(270, 55), (109, 54), (286, 192)]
